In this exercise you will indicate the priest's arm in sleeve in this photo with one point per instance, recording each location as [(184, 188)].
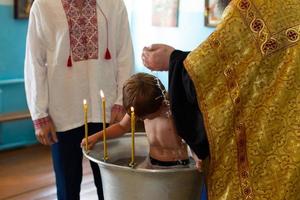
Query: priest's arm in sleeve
[(184, 106)]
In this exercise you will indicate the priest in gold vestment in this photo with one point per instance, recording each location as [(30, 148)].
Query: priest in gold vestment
[(246, 82)]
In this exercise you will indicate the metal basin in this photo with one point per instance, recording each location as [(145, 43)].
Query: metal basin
[(121, 182)]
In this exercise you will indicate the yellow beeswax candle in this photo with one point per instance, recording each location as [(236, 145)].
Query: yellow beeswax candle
[(105, 155), (132, 163), (85, 110)]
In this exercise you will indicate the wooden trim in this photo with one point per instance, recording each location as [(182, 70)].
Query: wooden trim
[(11, 81), (12, 116)]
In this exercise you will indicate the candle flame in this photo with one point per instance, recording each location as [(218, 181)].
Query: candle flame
[(101, 94), (84, 101), (132, 109)]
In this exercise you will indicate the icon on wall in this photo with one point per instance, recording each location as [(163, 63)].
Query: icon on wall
[(22, 8), (213, 11), (165, 13)]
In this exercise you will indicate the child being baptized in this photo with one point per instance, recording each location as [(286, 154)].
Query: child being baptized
[(147, 95)]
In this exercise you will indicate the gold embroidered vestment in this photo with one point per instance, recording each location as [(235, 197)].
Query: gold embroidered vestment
[(247, 79)]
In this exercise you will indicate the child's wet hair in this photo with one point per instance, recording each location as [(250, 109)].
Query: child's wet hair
[(142, 92)]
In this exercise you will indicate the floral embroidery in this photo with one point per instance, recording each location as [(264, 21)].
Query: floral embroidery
[(83, 29)]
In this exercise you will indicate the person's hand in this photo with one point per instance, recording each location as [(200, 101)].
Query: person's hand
[(117, 114), (92, 140), (45, 132), (157, 56), (198, 162), (199, 165)]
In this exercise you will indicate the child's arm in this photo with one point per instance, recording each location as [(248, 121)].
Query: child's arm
[(113, 131)]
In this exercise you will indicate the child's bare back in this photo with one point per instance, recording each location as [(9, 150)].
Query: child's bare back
[(165, 144)]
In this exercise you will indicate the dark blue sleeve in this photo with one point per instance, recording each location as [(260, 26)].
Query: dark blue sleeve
[(184, 106)]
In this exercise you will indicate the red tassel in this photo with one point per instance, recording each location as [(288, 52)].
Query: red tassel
[(107, 54), (69, 62)]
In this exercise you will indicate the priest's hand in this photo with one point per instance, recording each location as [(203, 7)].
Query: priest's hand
[(45, 131), (157, 57), (117, 114)]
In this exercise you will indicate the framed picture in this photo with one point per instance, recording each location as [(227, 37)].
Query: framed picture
[(22, 8), (165, 13), (213, 11)]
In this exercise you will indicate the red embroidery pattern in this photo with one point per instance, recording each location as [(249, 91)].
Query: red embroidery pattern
[(270, 45), (267, 42), (292, 35), (243, 160), (216, 43), (83, 29), (39, 123), (244, 4), (240, 129), (257, 25)]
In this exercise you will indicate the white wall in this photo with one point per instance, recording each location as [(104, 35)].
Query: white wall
[(187, 36)]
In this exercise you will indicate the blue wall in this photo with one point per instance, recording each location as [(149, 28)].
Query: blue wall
[(12, 94), (12, 45)]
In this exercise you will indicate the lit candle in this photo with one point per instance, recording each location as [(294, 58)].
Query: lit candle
[(85, 110), (132, 163), (105, 156)]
